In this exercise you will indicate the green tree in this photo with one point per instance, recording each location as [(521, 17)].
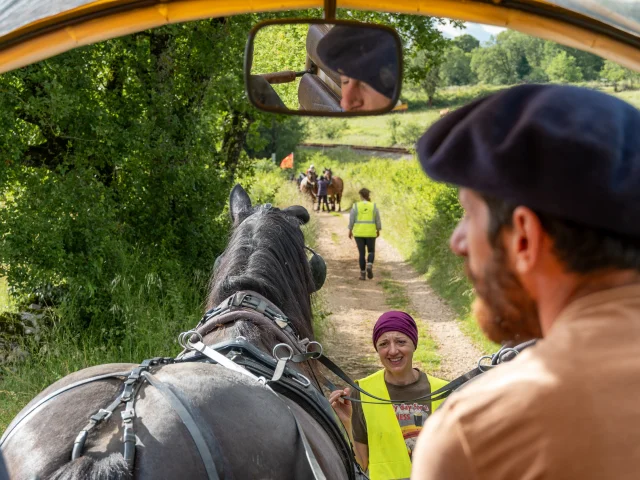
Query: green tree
[(492, 65), (564, 68), (467, 43), (456, 68), (430, 82), (280, 136), (537, 75), (523, 69), (278, 48), (618, 75), (588, 63), (122, 149)]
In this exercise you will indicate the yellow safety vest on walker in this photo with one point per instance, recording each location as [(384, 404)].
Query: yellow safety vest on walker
[(388, 455), (365, 224)]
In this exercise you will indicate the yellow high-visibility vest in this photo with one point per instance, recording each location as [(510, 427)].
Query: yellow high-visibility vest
[(365, 224), (388, 455)]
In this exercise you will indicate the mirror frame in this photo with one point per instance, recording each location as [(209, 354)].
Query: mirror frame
[(248, 56)]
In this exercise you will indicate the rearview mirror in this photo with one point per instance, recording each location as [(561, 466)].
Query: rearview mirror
[(320, 67)]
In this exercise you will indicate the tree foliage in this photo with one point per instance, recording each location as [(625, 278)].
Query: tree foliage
[(120, 149), (618, 75), (456, 67), (564, 68), (467, 43), (493, 65), (127, 150), (513, 57), (278, 48)]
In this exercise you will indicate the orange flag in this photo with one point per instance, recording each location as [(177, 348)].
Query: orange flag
[(287, 162)]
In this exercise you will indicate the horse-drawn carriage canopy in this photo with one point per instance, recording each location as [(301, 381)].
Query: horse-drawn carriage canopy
[(32, 30)]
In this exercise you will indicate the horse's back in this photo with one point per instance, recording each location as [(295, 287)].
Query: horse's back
[(253, 432), (35, 443)]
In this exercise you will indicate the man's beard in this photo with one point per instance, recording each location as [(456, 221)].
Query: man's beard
[(504, 310)]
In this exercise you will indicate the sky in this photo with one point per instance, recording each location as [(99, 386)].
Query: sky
[(481, 32)]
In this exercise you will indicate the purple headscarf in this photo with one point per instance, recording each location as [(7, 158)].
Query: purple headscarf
[(396, 321)]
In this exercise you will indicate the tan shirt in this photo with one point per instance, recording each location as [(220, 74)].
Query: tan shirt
[(568, 408)]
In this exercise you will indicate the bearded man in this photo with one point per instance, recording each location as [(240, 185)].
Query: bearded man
[(549, 179)]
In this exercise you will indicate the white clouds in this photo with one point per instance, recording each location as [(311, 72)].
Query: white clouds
[(481, 32), (493, 30)]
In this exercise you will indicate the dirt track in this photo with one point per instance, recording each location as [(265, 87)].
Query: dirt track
[(356, 305)]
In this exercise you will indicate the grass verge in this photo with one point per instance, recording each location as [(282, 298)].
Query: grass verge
[(152, 309)]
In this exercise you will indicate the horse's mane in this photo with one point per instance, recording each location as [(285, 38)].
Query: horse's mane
[(266, 255)]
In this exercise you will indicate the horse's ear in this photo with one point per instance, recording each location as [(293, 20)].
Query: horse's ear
[(239, 204), (299, 212)]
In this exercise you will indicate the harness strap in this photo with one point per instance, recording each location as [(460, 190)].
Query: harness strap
[(316, 470), (252, 301), (505, 354), (187, 419), (96, 418), (220, 359), (439, 394), (9, 432), (226, 362)]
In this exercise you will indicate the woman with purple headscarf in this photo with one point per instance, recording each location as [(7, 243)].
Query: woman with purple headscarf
[(384, 434)]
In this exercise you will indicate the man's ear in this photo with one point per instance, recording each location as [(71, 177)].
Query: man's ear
[(525, 240)]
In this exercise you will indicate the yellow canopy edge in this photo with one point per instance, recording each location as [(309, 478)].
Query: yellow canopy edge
[(106, 23)]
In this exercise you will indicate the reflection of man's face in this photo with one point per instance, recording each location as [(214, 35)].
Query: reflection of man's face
[(503, 308), (360, 96)]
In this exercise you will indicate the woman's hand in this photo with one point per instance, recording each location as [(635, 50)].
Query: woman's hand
[(350, 234), (342, 406)]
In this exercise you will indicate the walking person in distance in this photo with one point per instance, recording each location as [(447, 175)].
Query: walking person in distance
[(323, 184), (365, 226)]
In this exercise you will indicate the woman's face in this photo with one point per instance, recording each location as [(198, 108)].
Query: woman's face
[(396, 351), (360, 96)]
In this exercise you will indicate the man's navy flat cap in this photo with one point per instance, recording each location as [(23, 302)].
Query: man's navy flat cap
[(569, 152), (366, 54)]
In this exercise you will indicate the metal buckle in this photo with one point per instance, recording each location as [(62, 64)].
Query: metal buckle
[(319, 353), (281, 321), (305, 381), (101, 415), (184, 339), (504, 351), (484, 367), (128, 414), (282, 345), (188, 341)]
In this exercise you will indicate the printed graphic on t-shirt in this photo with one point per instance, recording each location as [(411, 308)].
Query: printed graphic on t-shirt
[(411, 417)]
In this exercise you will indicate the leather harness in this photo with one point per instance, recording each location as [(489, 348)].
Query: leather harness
[(241, 356), (237, 354)]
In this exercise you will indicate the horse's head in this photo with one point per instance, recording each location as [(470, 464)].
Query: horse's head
[(267, 254)]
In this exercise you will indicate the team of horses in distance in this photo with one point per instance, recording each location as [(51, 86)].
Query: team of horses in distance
[(309, 185), (308, 182)]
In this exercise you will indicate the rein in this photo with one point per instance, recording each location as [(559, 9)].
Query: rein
[(505, 354)]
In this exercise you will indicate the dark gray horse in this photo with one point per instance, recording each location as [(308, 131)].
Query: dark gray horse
[(252, 430)]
